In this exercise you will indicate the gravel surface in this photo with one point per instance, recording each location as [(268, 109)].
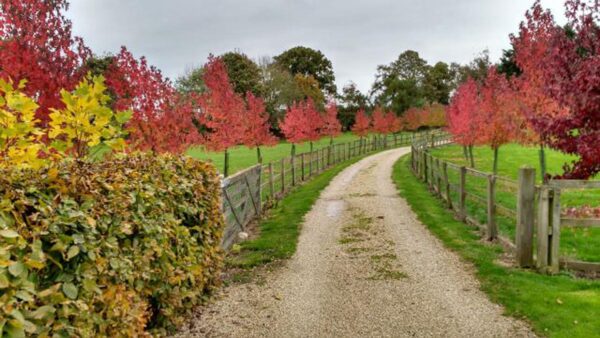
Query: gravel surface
[(364, 267)]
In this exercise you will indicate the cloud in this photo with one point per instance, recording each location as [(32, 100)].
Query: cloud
[(356, 35)]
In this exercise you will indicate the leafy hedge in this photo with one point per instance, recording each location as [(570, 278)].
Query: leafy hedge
[(117, 248)]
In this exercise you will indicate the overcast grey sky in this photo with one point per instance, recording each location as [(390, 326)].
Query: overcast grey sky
[(355, 35)]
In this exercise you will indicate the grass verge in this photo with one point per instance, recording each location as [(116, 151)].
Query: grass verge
[(556, 306)]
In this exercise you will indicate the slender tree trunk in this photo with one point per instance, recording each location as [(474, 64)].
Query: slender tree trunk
[(293, 153), (466, 153), (226, 165), (496, 160), (471, 156), (543, 162), (259, 155)]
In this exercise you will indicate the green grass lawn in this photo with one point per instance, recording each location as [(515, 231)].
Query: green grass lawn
[(243, 157), (556, 306), (577, 243)]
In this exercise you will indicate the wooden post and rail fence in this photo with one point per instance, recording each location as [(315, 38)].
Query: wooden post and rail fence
[(537, 215), (248, 193)]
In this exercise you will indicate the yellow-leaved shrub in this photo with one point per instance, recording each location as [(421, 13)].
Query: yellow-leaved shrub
[(20, 144), (87, 125)]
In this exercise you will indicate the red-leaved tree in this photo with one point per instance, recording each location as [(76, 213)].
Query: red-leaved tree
[(531, 45), (163, 121), (223, 111), (331, 125), (379, 121), (462, 117), (257, 125), (413, 118), (498, 122), (36, 44), (302, 123), (568, 69), (362, 125), (393, 122)]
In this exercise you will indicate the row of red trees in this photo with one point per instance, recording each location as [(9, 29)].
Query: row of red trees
[(37, 44), (555, 102)]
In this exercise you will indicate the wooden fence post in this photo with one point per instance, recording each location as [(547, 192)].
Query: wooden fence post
[(260, 172), (447, 183), (462, 192), (554, 242), (283, 175), (293, 163), (542, 228), (424, 165), (310, 163), (439, 177), (492, 229), (271, 181), (302, 163), (525, 217)]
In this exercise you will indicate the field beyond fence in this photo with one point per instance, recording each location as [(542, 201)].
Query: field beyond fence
[(526, 218)]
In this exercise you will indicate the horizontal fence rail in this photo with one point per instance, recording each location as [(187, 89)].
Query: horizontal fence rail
[(248, 193), (479, 198)]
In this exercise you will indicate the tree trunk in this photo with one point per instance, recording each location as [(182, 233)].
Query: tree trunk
[(226, 166), (543, 162), (293, 153), (471, 156), (466, 153), (259, 155), (496, 160)]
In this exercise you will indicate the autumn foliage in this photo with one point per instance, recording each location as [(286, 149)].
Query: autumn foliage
[(362, 124), (331, 125), (302, 123), (554, 101), (428, 116), (463, 112), (37, 45), (163, 120)]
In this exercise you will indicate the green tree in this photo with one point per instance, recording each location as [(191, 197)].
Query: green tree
[(244, 74), (400, 85), (280, 91), (508, 65), (350, 102), (191, 82), (309, 62), (477, 69), (438, 83)]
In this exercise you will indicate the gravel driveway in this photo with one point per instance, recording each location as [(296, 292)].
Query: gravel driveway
[(365, 267)]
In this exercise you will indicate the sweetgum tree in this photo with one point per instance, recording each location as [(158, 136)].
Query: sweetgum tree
[(223, 111), (498, 122), (163, 120), (302, 123), (37, 45), (462, 117), (362, 125), (257, 126), (568, 64)]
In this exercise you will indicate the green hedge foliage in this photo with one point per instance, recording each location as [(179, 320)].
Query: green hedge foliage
[(118, 248)]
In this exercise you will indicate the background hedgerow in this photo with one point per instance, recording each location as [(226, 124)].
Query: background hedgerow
[(118, 248)]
